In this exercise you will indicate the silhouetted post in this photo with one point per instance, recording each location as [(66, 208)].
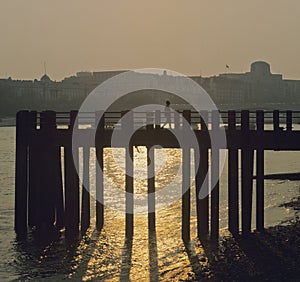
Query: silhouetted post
[(48, 190), (34, 164), (59, 194), (259, 175), (45, 195), (176, 121), (247, 168), (55, 174), (202, 184), (276, 121), (36, 172), (51, 173), (85, 203), (233, 180), (289, 120), (151, 173), (186, 209), (215, 181), (22, 134), (99, 170), (71, 182), (129, 180), (157, 119)]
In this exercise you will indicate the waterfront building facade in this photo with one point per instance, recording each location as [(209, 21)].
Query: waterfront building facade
[(257, 89)]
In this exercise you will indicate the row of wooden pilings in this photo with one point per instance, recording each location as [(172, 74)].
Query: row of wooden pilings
[(43, 201), (40, 200)]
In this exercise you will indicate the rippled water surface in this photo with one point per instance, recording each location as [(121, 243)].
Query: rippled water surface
[(107, 255)]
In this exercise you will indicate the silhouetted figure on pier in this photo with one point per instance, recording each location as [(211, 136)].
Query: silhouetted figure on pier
[(167, 114)]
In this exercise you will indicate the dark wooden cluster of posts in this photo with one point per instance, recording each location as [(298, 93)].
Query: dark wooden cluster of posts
[(44, 201)]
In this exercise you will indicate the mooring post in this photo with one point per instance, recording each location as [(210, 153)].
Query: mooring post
[(22, 134), (85, 200), (157, 119), (202, 183), (71, 182), (37, 175), (260, 175), (276, 121), (99, 170), (233, 180), (59, 195), (129, 178), (289, 120), (186, 205), (34, 165), (47, 189), (215, 180), (247, 169), (176, 121), (151, 172), (54, 172)]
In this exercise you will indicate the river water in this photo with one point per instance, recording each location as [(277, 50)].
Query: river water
[(106, 255)]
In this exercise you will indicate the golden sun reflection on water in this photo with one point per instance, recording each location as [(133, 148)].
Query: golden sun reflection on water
[(157, 255)]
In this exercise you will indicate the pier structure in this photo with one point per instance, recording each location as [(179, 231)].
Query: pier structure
[(48, 190)]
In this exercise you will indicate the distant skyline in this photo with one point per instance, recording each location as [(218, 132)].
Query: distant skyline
[(191, 37)]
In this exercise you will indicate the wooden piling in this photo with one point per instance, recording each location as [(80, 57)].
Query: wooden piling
[(215, 181), (259, 175), (186, 204), (233, 180), (22, 135), (176, 120), (151, 188), (202, 205), (85, 202), (71, 182), (58, 186), (247, 168), (47, 170), (289, 120), (151, 172), (99, 170), (129, 181), (157, 119), (276, 121), (51, 186), (33, 185)]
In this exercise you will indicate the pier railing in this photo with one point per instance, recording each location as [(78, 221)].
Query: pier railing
[(278, 119), (44, 200)]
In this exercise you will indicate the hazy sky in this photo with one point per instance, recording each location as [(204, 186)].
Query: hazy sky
[(190, 36)]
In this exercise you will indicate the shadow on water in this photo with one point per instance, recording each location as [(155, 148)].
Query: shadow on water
[(152, 244), (193, 258), (126, 260), (127, 249), (91, 256), (270, 255), (44, 254), (126, 264), (201, 253)]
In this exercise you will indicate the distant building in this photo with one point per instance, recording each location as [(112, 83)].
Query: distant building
[(258, 88)]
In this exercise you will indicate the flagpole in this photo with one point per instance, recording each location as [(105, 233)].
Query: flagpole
[(227, 68)]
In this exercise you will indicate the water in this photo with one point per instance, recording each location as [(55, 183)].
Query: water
[(107, 255)]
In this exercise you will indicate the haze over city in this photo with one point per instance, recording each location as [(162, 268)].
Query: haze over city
[(191, 37)]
